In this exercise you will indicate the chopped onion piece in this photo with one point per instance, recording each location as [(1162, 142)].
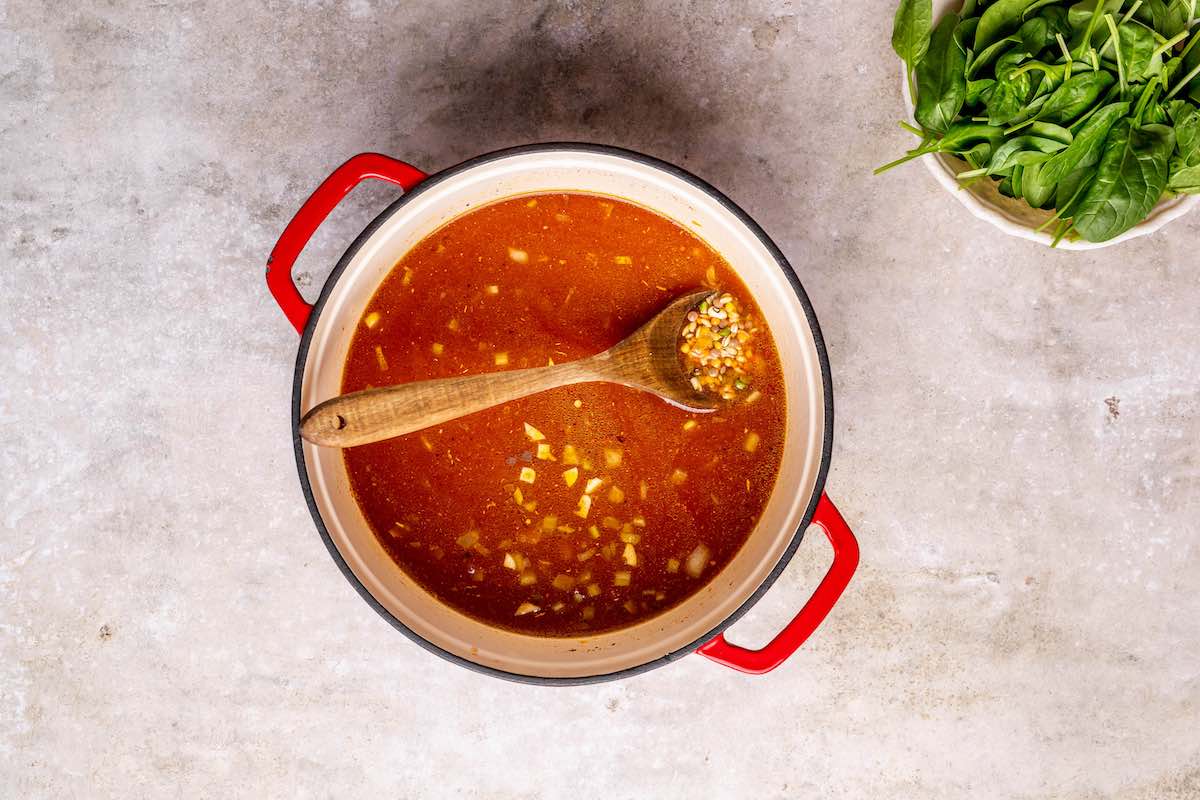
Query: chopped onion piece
[(592, 485), (543, 452), (691, 424), (630, 555), (571, 475), (620, 579), (697, 560), (549, 523), (593, 589), (569, 455), (585, 506), (519, 256), (594, 532), (672, 565), (527, 608), (586, 554), (678, 476), (630, 606), (612, 523), (533, 433), (527, 475), (468, 540), (643, 490), (588, 612), (528, 577), (622, 260), (501, 359), (639, 521), (510, 561), (615, 495), (630, 538), (750, 398), (612, 457), (383, 365), (372, 319), (751, 443), (520, 498), (492, 288), (438, 348), (564, 583)]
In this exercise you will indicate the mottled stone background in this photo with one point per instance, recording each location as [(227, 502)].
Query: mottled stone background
[(1016, 438)]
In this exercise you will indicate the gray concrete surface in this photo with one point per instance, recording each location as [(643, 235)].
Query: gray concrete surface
[(1016, 438)]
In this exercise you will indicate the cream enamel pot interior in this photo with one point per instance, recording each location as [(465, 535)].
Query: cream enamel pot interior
[(797, 500)]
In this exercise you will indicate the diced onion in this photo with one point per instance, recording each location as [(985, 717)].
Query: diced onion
[(697, 560), (527, 608)]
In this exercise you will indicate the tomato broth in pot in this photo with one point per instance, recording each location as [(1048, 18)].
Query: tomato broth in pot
[(592, 531)]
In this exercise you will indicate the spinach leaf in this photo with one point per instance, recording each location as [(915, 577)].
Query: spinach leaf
[(911, 29), (1076, 95), (1168, 18), (1038, 33), (1070, 187), (1048, 130), (1011, 92), (1185, 181), (1021, 151), (1138, 55), (989, 53), (1080, 15), (1186, 119), (976, 90), (941, 79), (1035, 191), (1130, 179), (998, 20), (1088, 145), (961, 138)]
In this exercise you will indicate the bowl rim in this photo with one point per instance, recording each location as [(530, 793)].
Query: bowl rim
[(780, 261)]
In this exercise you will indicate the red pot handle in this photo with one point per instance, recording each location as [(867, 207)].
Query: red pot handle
[(314, 211), (845, 561)]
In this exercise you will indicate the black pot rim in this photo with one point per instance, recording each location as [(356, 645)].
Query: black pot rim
[(784, 266)]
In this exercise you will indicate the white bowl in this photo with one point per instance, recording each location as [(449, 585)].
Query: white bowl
[(1016, 217)]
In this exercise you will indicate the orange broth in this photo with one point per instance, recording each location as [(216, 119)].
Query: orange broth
[(525, 282)]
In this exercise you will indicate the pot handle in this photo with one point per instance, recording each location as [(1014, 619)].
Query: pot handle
[(314, 211), (845, 561)]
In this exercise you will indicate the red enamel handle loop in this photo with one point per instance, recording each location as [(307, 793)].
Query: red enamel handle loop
[(845, 561), (314, 211)]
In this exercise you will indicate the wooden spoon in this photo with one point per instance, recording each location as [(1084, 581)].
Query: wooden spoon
[(647, 359)]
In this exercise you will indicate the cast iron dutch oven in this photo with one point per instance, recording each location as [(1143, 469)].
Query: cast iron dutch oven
[(797, 500)]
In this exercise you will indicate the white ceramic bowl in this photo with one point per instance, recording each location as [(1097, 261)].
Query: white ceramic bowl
[(1015, 217)]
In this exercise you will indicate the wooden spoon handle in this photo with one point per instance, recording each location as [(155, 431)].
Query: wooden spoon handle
[(375, 414)]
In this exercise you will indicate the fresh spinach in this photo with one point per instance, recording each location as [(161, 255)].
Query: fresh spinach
[(1011, 92), (941, 79), (1185, 181), (998, 20), (910, 32), (1130, 179), (1076, 95), (1089, 108)]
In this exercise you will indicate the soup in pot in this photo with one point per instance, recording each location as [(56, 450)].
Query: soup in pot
[(589, 507)]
